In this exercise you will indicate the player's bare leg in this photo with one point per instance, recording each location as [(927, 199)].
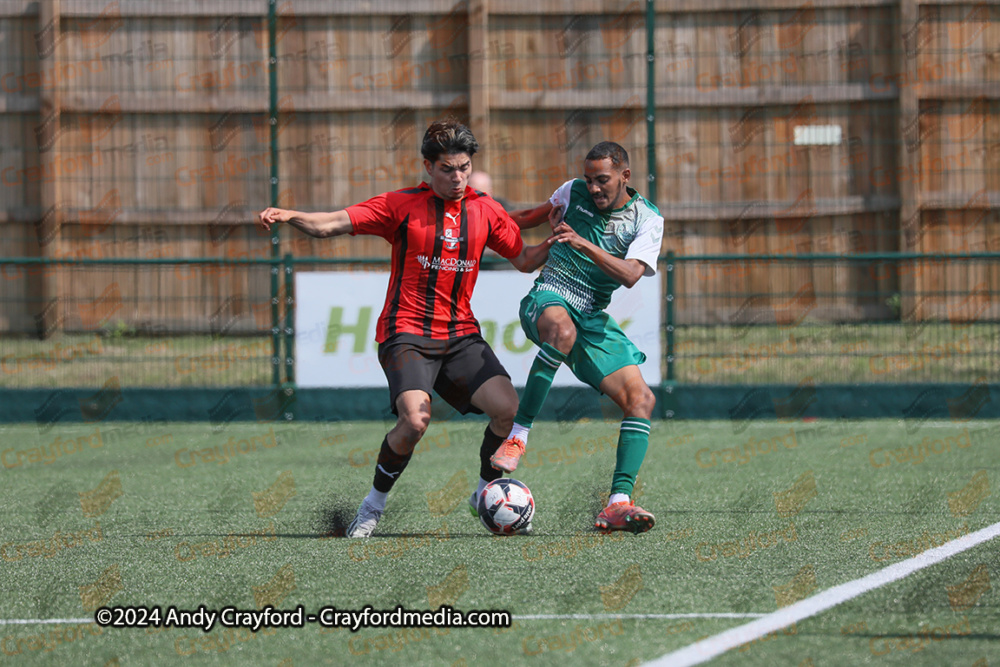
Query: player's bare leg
[(497, 398), (627, 389), (558, 335), (556, 328), (414, 410)]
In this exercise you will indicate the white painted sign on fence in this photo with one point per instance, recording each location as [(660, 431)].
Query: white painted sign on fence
[(337, 311)]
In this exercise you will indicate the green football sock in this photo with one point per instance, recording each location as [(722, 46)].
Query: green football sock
[(633, 441), (543, 371)]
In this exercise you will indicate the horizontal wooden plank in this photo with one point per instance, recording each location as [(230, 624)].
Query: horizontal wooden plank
[(566, 7), (19, 214), (514, 100), (689, 97), (573, 7), (954, 201), (160, 102), (676, 98), (174, 8), (375, 7), (959, 91), (762, 5), (136, 216), (681, 211), (9, 8), (673, 211), (771, 95), (383, 100), (18, 103), (202, 8), (686, 97)]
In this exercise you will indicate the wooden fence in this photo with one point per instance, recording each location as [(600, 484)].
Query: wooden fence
[(142, 129)]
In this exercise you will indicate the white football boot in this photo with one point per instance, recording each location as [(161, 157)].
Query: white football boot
[(366, 520)]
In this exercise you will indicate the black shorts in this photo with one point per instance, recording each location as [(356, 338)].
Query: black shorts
[(454, 368)]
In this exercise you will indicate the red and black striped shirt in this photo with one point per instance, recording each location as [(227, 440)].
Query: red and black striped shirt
[(437, 246)]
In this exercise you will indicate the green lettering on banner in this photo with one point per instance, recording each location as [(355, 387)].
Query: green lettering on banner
[(489, 329), (509, 332), (336, 328)]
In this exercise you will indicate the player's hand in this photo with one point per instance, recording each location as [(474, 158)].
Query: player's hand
[(563, 233), (270, 216), (555, 217)]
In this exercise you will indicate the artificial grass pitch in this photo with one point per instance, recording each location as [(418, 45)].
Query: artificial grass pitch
[(750, 517)]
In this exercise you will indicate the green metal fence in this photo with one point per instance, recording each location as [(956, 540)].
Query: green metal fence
[(866, 318), (128, 218), (129, 333), (841, 319)]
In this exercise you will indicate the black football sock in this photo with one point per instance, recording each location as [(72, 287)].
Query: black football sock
[(389, 467), (491, 441)]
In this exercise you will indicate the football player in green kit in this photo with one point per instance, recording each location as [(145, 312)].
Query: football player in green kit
[(607, 236)]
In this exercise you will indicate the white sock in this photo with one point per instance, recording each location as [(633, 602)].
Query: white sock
[(482, 485), (377, 498), (519, 432), (617, 498)]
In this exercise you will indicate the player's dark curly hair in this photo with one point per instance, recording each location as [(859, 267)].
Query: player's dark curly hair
[(609, 149), (448, 137)]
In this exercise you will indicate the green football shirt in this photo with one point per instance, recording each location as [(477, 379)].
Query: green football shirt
[(634, 231)]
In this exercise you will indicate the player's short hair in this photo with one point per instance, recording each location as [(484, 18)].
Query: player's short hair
[(448, 137), (611, 150)]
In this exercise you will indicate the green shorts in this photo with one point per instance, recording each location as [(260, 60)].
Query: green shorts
[(601, 346)]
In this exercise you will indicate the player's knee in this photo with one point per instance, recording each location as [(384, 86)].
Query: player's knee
[(502, 412), (641, 403), (562, 337), (503, 421), (413, 426), (567, 338)]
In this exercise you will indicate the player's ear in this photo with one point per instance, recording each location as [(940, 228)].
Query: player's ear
[(626, 174), (428, 165)]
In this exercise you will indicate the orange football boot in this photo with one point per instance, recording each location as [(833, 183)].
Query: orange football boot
[(625, 515), (507, 455)]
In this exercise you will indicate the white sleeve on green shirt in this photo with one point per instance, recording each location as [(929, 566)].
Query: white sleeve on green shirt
[(561, 196), (645, 247)]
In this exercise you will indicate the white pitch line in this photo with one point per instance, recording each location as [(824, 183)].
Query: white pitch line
[(628, 617), (38, 621), (706, 649), (946, 424)]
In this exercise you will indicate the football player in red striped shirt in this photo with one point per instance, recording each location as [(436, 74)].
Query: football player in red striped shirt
[(428, 337)]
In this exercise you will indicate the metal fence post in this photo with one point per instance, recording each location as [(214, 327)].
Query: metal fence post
[(272, 119), (276, 324), (289, 331), (651, 100), (669, 308)]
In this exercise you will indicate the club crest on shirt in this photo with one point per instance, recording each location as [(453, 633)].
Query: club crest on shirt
[(451, 239)]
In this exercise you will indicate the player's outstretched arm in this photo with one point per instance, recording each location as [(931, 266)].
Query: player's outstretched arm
[(625, 271), (533, 256), (528, 218), (320, 225)]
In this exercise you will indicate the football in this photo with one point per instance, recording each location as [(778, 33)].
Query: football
[(506, 506)]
